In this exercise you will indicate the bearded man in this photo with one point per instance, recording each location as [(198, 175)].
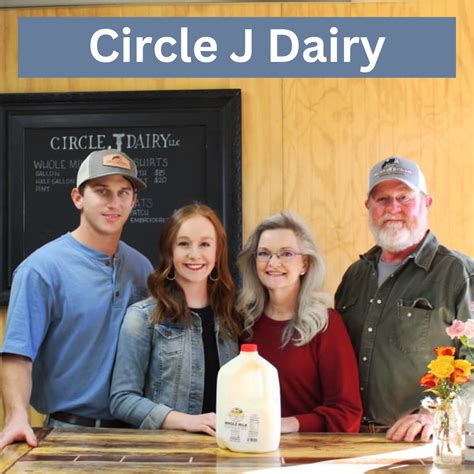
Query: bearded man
[(398, 299)]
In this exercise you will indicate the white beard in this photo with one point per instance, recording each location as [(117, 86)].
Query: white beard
[(397, 236)]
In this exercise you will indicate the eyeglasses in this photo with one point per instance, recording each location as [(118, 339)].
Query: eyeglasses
[(283, 255)]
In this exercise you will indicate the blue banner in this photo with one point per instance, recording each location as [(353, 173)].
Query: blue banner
[(237, 47)]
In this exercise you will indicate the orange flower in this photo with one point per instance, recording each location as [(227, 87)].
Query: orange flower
[(458, 377), (464, 366), (445, 351), (429, 380), (446, 374), (442, 366)]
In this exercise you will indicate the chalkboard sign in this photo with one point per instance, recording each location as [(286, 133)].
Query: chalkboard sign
[(186, 145)]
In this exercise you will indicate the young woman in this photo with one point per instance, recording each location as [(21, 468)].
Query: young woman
[(286, 314), (172, 344)]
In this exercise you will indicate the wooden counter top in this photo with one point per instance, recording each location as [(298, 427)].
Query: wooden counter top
[(116, 450)]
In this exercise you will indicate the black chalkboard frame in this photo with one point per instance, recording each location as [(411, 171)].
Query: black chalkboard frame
[(219, 110)]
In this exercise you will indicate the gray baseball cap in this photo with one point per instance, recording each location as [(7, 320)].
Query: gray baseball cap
[(108, 162), (403, 170)]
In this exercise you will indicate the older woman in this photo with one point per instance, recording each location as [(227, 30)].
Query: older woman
[(287, 315)]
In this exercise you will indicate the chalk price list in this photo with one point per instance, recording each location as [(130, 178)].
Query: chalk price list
[(49, 173), (153, 171)]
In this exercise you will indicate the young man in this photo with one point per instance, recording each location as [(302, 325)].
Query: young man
[(67, 302), (398, 299)]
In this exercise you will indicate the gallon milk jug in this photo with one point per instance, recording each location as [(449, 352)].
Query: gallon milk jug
[(248, 414)]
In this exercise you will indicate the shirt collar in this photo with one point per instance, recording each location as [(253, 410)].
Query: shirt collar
[(96, 254), (423, 255)]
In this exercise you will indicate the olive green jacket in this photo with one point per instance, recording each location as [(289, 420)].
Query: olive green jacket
[(395, 328)]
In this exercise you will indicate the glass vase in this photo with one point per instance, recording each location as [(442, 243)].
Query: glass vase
[(448, 433)]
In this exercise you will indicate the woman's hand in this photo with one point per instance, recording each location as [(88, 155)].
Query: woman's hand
[(290, 424), (205, 423)]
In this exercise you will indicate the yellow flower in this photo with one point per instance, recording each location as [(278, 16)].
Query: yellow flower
[(442, 366), (463, 365)]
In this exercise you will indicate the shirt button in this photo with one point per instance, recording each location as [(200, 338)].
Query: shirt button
[(361, 389), (344, 307), (370, 329), (364, 358), (117, 293), (379, 301), (409, 315), (371, 300)]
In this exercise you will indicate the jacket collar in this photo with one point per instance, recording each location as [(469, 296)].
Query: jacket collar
[(423, 255)]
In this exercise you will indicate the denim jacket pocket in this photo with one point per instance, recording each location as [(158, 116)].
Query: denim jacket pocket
[(170, 339), (411, 331)]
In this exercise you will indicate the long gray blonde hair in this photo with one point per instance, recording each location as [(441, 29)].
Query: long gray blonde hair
[(312, 306)]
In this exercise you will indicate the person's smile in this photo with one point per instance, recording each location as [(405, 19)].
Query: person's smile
[(195, 267)]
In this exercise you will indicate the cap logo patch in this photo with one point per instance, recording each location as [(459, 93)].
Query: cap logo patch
[(117, 161), (391, 161), (392, 166)]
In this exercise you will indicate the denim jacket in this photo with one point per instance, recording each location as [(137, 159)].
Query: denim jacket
[(160, 367)]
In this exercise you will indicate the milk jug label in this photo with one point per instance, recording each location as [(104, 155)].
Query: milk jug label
[(242, 427)]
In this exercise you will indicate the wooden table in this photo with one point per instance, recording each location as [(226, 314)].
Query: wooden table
[(116, 450)]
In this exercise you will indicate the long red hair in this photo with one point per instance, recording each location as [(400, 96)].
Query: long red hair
[(170, 298)]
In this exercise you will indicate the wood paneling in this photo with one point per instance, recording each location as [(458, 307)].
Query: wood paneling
[(335, 129), (308, 143)]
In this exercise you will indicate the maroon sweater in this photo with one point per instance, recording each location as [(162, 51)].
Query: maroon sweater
[(319, 381)]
